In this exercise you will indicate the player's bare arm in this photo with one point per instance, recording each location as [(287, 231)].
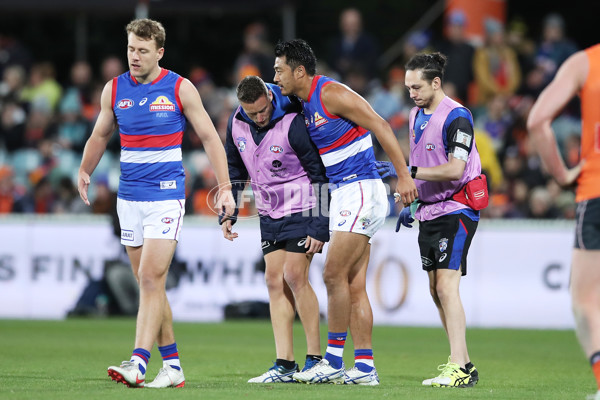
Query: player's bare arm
[(567, 83), (197, 116), (96, 144), (340, 100)]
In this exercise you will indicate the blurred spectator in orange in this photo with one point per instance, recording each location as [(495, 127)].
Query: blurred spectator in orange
[(459, 69), (257, 56), (49, 161), (90, 111), (8, 189), (353, 46), (203, 201), (495, 64)]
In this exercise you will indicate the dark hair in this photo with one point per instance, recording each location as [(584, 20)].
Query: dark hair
[(250, 89), (148, 29), (297, 52), (432, 65)]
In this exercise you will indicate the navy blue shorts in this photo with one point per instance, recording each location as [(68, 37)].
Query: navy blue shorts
[(444, 242), (291, 245), (587, 227)]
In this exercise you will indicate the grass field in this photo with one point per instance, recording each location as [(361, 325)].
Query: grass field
[(66, 360)]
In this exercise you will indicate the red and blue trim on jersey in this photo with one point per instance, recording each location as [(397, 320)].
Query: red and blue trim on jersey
[(151, 125), (346, 149)]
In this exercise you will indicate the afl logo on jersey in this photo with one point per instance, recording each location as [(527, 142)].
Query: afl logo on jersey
[(345, 213), (162, 103), (430, 146), (276, 149), (167, 220), (125, 104)]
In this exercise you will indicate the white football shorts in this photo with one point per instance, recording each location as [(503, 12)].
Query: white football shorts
[(141, 220), (359, 207)]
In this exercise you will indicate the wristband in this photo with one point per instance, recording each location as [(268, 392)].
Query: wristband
[(413, 171)]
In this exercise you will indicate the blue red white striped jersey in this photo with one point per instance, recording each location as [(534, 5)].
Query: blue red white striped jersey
[(346, 149), (151, 126)]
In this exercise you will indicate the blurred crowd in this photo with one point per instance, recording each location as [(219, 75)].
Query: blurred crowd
[(44, 123)]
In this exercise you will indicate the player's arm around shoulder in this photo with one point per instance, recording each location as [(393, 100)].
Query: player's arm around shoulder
[(342, 101), (96, 144)]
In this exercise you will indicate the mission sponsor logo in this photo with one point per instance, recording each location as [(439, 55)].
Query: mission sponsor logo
[(319, 120), (162, 103), (125, 104)]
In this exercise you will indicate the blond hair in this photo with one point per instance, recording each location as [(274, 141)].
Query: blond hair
[(148, 29)]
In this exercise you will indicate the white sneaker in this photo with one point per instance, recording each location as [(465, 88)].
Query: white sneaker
[(276, 374), (322, 372), (594, 396), (355, 376), (128, 373), (168, 377), (428, 382)]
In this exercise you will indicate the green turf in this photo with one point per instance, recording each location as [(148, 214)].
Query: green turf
[(66, 360)]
